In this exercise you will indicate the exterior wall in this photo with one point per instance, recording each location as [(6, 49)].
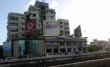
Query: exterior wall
[(28, 47), (41, 47), (65, 45), (15, 48), (63, 27), (41, 12), (50, 14), (15, 25)]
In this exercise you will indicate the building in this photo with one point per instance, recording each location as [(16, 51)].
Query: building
[(28, 47), (63, 45), (40, 11), (1, 51), (63, 27), (102, 43), (16, 26), (38, 32)]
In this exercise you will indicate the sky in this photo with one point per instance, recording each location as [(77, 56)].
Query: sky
[(92, 15)]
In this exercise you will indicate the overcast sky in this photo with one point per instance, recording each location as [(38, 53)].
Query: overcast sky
[(92, 15)]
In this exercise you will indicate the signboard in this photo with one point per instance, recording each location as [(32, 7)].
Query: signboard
[(50, 28), (30, 25), (7, 46), (78, 32), (21, 47)]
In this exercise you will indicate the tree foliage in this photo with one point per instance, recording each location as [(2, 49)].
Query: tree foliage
[(94, 47)]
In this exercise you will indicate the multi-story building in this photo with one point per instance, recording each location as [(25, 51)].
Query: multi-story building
[(40, 12), (63, 27), (16, 25), (56, 38)]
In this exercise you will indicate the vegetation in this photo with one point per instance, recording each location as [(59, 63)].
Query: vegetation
[(94, 47)]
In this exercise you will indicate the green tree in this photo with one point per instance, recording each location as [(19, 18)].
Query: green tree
[(94, 47)]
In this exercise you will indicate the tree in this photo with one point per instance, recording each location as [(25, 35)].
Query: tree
[(94, 47)]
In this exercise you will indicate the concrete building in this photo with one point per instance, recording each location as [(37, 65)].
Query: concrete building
[(63, 27), (39, 44), (56, 45), (63, 45), (40, 11), (16, 26)]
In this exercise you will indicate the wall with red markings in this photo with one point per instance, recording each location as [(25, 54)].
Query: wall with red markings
[(30, 27)]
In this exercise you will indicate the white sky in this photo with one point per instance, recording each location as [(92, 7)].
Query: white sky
[(92, 15)]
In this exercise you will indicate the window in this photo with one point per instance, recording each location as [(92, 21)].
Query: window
[(69, 49), (22, 29), (54, 43), (66, 28), (23, 35), (51, 16), (34, 15), (61, 22), (67, 32), (61, 43), (13, 24), (23, 18), (13, 18), (34, 9), (14, 35), (51, 12), (61, 32), (48, 44), (23, 23), (61, 26), (14, 30), (66, 23), (68, 43)]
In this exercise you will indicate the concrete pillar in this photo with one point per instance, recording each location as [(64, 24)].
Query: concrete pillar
[(82, 50), (58, 47), (86, 49), (45, 48)]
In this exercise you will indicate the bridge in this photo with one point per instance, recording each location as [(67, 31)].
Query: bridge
[(78, 60)]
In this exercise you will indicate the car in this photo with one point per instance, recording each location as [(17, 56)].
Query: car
[(51, 54), (9, 58)]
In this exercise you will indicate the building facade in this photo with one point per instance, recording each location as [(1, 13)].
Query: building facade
[(48, 34), (16, 26), (65, 45), (63, 27)]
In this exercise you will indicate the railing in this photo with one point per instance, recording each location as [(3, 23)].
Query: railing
[(54, 60)]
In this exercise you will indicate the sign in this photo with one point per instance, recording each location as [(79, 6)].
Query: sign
[(7, 46), (50, 28), (30, 25)]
